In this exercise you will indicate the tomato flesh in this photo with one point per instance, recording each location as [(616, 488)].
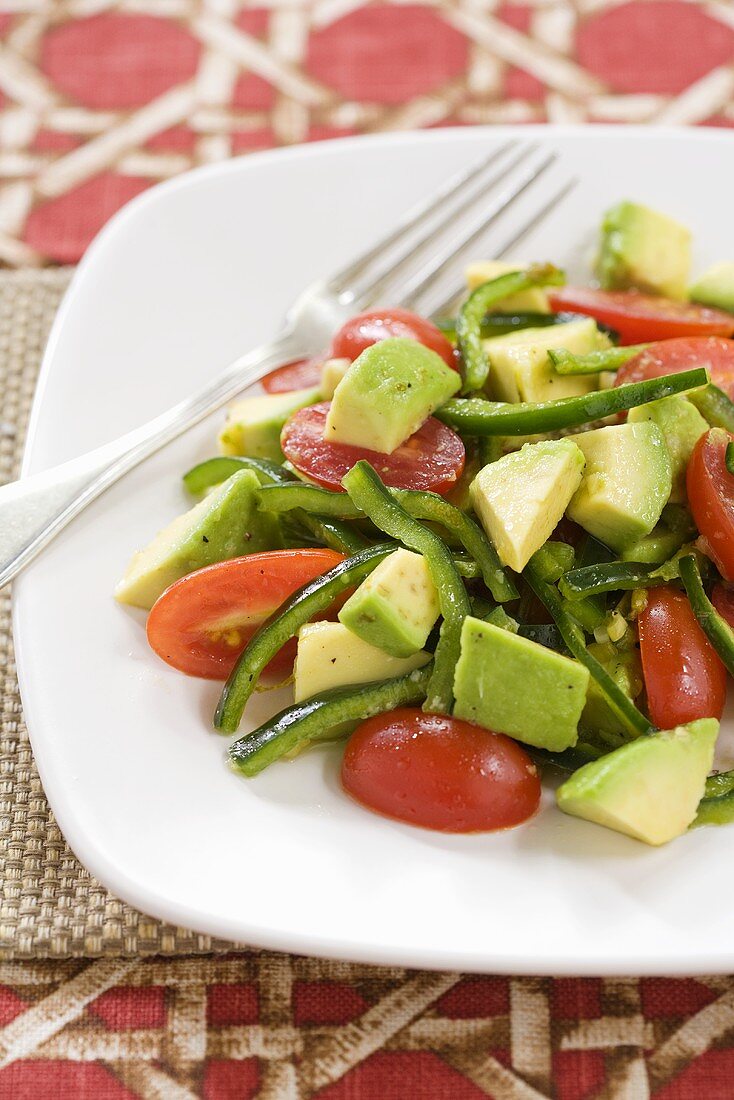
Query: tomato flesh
[(299, 375), (370, 328), (440, 773), (723, 600), (432, 459), (642, 317), (710, 489), (201, 624), (684, 676), (684, 353)]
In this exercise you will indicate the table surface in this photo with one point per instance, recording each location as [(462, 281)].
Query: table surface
[(97, 102)]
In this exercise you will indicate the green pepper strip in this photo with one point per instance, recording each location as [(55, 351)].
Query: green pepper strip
[(729, 457), (312, 719), (631, 718), (612, 576), (565, 362), (428, 507), (716, 629), (714, 406), (369, 494), (309, 601), (475, 416), (469, 321)]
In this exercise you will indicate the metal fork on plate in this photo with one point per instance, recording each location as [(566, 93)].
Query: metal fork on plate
[(406, 268)]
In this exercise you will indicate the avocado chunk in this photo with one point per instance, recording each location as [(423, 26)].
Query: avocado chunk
[(626, 483), (623, 665), (644, 250), (532, 300), (225, 524), (511, 685), (522, 496), (330, 656), (715, 287), (253, 425), (682, 425), (395, 607), (649, 788), (332, 372), (387, 393), (520, 369)]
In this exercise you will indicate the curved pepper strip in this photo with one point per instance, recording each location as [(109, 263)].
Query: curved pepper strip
[(309, 601), (716, 628), (565, 362), (369, 494)]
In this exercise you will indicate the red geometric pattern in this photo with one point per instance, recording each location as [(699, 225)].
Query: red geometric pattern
[(98, 100)]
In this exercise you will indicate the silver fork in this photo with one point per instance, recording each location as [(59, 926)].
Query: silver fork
[(404, 268)]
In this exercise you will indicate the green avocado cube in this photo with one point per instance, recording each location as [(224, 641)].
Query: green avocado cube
[(626, 483), (254, 424), (682, 426), (644, 250), (715, 287), (225, 524), (387, 393), (520, 369), (511, 685), (332, 372), (648, 789), (330, 656), (521, 497), (395, 607), (532, 300)]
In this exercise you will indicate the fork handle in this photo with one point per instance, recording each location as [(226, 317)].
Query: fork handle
[(35, 509)]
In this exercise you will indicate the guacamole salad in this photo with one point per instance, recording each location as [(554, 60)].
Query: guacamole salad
[(488, 549)]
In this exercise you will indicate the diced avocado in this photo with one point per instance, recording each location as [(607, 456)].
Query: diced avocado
[(387, 393), (715, 287), (623, 665), (520, 369), (645, 250), (626, 482), (253, 425), (655, 548), (649, 788), (682, 425), (511, 685), (522, 496), (332, 372), (225, 524), (330, 656), (533, 300), (396, 606)]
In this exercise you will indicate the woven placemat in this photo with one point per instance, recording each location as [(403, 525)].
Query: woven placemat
[(50, 906)]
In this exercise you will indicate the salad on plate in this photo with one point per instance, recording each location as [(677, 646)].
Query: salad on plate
[(485, 548)]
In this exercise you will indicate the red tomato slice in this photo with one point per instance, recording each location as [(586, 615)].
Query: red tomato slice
[(369, 328), (723, 600), (641, 317), (431, 459), (711, 498), (684, 353), (201, 624), (299, 375), (684, 677), (440, 773)]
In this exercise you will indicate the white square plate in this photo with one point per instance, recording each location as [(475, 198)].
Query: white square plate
[(183, 280)]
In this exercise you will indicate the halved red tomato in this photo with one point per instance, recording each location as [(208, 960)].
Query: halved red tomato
[(673, 356), (201, 624), (641, 317), (440, 773), (431, 459), (369, 328), (684, 677), (299, 375), (710, 489)]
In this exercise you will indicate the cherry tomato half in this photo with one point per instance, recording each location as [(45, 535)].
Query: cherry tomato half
[(369, 328), (684, 353), (299, 375), (440, 773), (431, 459), (201, 624), (710, 489), (641, 317), (684, 677)]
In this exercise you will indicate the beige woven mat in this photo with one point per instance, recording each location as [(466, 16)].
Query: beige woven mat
[(49, 905)]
